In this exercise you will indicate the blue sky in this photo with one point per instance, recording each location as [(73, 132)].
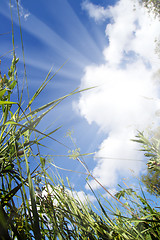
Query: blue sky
[(108, 44)]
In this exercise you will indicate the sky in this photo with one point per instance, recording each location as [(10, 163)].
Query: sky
[(109, 45)]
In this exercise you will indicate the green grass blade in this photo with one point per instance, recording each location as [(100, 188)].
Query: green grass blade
[(7, 102), (44, 84), (36, 226)]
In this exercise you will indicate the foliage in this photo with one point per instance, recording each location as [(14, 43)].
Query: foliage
[(152, 181), (36, 205), (17, 128), (152, 5), (152, 152), (151, 149)]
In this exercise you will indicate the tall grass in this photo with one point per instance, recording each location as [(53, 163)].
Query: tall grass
[(36, 205)]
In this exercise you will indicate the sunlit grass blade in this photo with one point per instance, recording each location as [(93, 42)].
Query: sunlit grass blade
[(7, 103), (44, 84), (54, 102), (28, 127), (36, 226)]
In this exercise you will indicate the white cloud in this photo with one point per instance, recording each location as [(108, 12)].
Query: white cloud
[(54, 192), (99, 13), (80, 195), (126, 97)]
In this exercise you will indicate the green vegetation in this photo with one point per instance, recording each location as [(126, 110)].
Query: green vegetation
[(152, 181), (152, 5), (36, 205), (151, 148)]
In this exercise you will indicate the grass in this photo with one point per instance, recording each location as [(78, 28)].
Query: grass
[(36, 205)]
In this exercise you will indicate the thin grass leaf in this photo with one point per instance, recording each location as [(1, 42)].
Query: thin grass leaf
[(6, 198), (34, 130), (3, 225), (36, 226), (2, 92), (44, 84), (56, 102), (7, 103), (25, 73)]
